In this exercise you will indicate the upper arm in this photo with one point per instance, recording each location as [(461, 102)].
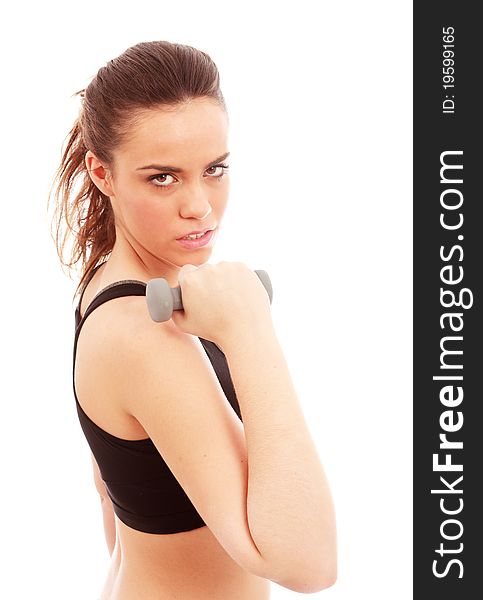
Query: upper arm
[(168, 384)]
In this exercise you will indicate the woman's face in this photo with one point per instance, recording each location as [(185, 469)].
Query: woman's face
[(170, 179)]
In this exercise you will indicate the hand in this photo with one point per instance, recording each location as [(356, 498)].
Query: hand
[(221, 300)]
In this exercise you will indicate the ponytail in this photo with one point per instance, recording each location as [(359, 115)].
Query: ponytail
[(147, 75), (86, 214)]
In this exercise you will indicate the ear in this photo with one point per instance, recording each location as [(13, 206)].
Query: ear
[(100, 175)]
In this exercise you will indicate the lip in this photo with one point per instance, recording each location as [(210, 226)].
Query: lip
[(195, 232), (203, 241)]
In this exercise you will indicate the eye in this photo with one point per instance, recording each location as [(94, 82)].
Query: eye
[(223, 168), (161, 183)]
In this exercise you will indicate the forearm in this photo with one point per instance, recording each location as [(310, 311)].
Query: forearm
[(106, 505), (289, 506), (109, 522)]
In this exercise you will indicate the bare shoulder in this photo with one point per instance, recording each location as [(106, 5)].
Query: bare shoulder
[(131, 340), (164, 379)]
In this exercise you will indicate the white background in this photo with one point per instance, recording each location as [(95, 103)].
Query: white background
[(320, 101)]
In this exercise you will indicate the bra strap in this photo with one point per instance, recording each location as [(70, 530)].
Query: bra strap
[(128, 287), (89, 277)]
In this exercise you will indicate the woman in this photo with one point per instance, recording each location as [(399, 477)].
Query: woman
[(210, 483)]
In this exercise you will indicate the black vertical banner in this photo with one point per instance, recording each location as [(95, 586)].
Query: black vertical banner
[(448, 301)]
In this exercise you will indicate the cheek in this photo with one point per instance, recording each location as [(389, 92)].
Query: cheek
[(221, 207), (220, 200), (149, 217)]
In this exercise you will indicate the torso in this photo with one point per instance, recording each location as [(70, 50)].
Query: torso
[(190, 565)]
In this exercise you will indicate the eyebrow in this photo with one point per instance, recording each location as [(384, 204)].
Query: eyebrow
[(177, 169)]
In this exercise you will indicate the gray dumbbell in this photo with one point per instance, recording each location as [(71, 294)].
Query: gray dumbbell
[(162, 299)]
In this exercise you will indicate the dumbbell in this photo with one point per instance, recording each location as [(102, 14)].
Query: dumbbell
[(162, 299)]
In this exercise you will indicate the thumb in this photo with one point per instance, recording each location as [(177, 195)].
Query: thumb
[(178, 318), (187, 268)]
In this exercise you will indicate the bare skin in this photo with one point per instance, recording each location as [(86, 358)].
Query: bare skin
[(150, 215), (188, 565), (264, 525)]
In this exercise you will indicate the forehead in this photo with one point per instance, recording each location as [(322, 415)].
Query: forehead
[(198, 127)]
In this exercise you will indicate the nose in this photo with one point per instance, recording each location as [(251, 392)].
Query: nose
[(195, 204)]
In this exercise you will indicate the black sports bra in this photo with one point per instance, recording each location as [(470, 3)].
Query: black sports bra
[(144, 492)]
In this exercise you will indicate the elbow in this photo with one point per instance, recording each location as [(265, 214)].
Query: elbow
[(310, 586), (311, 580), (322, 582), (307, 568)]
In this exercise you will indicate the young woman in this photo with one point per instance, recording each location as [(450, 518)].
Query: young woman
[(209, 480)]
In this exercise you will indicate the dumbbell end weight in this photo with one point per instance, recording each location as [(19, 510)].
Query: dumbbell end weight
[(159, 299), (267, 284)]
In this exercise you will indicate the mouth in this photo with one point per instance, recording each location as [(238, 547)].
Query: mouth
[(198, 241), (193, 235)]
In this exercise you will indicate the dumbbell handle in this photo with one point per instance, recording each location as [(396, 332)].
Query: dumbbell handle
[(160, 307)]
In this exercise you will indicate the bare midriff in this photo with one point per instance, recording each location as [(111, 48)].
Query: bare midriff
[(190, 565)]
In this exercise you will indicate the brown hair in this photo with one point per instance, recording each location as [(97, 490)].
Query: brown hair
[(147, 75)]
